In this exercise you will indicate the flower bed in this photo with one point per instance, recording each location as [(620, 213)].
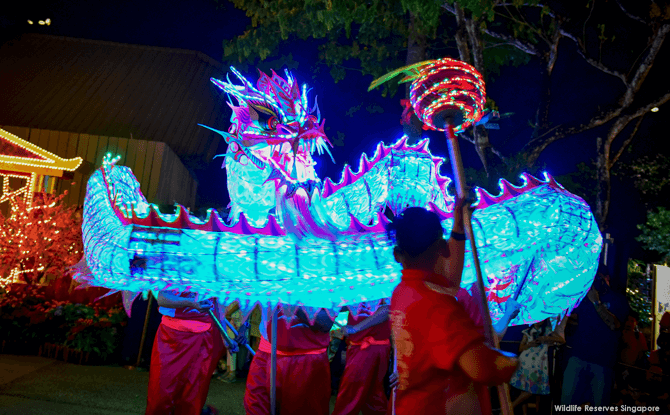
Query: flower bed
[(33, 323)]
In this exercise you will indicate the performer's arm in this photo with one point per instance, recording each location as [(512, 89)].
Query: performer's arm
[(379, 316), (610, 319), (168, 300), (457, 243), (455, 341), (488, 366), (511, 311)]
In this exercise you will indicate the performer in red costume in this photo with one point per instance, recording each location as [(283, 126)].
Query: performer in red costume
[(368, 350), (303, 370), (185, 353), (444, 366)]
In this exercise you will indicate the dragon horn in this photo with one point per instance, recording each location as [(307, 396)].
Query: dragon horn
[(227, 136), (316, 106)]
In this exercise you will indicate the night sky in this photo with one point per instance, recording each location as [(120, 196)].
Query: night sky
[(351, 112)]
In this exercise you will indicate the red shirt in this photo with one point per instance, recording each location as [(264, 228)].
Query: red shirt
[(294, 336), (188, 313), (431, 331), (471, 308)]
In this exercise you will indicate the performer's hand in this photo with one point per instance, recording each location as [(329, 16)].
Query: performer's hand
[(593, 295), (241, 338), (465, 201), (394, 380), (460, 203), (512, 308), (232, 347), (348, 330)]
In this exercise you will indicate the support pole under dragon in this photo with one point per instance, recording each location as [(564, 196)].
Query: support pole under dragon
[(459, 178), (273, 363), (224, 333)]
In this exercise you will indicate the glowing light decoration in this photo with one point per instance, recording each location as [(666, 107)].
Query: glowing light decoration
[(21, 159), (293, 239), (448, 85)]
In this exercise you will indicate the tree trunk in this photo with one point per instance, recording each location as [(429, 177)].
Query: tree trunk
[(471, 50), (603, 183), (542, 114), (416, 52)]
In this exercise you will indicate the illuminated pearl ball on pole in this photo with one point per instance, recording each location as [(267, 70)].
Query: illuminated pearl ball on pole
[(448, 91)]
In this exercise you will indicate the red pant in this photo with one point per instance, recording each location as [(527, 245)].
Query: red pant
[(362, 383), (303, 385), (181, 369)]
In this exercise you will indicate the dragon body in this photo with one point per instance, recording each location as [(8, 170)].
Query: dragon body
[(294, 239)]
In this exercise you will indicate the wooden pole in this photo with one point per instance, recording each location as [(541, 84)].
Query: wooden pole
[(395, 369), (273, 363), (144, 331), (459, 178)]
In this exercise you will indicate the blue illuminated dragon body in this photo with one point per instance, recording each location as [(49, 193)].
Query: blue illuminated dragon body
[(293, 239)]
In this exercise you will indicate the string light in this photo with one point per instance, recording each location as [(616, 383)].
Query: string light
[(448, 85), (26, 161)]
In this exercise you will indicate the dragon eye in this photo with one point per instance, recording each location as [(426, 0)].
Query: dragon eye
[(272, 123), (263, 117)]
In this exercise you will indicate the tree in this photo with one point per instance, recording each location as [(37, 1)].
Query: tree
[(638, 292), (655, 233), (39, 242), (538, 30), (651, 177), (619, 43)]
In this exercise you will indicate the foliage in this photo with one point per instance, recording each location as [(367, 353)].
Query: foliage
[(655, 232), (40, 241), (651, 175), (23, 308), (89, 328), (639, 292), (373, 34), (27, 315), (581, 182)]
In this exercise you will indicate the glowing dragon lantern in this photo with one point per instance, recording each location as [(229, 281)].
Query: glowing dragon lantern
[(272, 136), (536, 241)]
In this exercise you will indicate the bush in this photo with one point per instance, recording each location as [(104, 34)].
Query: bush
[(28, 316)]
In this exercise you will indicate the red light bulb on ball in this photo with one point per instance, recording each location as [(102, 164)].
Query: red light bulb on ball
[(448, 92)]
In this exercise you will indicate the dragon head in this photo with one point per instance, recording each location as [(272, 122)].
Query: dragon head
[(273, 125), (273, 134)]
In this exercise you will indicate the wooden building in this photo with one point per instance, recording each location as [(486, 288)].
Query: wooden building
[(162, 176), (26, 169), (84, 98)]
